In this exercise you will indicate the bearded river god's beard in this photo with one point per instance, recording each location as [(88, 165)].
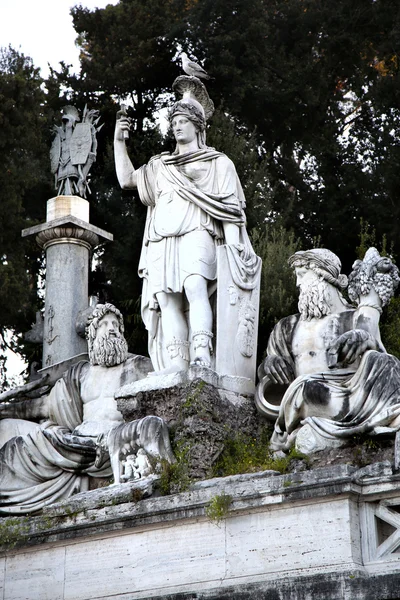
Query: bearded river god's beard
[(108, 351), (314, 300)]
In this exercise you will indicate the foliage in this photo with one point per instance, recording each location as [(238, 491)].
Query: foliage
[(367, 237), (174, 478), (24, 187), (390, 327), (247, 454), (278, 294), (227, 135), (320, 84), (307, 96), (127, 50), (218, 507)]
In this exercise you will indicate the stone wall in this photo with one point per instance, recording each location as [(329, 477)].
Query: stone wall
[(330, 533)]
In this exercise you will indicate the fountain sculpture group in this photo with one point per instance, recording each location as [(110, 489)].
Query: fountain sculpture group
[(326, 375)]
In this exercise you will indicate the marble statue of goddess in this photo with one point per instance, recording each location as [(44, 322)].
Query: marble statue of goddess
[(195, 203)]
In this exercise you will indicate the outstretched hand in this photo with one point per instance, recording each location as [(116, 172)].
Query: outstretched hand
[(278, 370), (349, 346)]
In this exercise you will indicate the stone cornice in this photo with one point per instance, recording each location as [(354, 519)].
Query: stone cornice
[(68, 227)]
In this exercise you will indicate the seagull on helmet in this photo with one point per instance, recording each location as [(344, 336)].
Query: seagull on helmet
[(193, 69)]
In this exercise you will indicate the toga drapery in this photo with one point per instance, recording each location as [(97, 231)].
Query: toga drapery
[(337, 403), (38, 468)]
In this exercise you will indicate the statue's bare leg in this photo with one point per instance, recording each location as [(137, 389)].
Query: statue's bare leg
[(201, 318), (175, 330)]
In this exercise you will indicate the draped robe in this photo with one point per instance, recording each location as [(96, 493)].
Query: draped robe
[(48, 463), (183, 227), (336, 403)]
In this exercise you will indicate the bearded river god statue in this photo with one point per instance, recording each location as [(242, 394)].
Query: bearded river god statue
[(327, 376), (195, 244), (50, 445)]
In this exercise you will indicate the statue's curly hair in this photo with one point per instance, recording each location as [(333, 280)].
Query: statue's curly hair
[(94, 320), (323, 262)]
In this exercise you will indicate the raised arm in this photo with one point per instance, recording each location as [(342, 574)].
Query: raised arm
[(351, 345), (125, 171)]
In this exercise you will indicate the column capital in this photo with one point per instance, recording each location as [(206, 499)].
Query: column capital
[(67, 229), (67, 235)]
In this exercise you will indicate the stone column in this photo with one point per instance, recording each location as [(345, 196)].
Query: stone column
[(68, 239), (67, 279)]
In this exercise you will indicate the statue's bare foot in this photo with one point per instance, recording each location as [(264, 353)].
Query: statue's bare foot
[(201, 344)]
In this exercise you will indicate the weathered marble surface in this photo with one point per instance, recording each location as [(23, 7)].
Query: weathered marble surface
[(68, 239), (74, 150), (132, 447), (195, 205), (307, 535), (50, 445), (334, 378), (227, 383), (201, 415)]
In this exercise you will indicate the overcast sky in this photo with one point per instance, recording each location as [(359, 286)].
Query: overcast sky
[(42, 29)]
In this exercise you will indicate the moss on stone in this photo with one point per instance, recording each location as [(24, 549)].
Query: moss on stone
[(249, 454), (12, 531)]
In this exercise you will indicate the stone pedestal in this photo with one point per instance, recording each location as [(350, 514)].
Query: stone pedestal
[(68, 239), (329, 534)]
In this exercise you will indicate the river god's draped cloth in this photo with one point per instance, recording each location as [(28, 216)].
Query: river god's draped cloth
[(40, 467), (337, 403)]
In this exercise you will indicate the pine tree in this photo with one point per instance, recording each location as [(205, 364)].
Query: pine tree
[(24, 188)]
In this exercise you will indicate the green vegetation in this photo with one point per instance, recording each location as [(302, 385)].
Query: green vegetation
[(390, 327), (192, 401), (218, 507), (278, 293), (366, 449), (12, 531), (367, 238), (175, 478), (246, 454)]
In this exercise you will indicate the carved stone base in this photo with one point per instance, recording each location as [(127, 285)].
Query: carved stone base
[(331, 534), (157, 381), (200, 417)]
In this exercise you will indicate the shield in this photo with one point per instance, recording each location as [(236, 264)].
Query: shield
[(81, 143), (55, 152)]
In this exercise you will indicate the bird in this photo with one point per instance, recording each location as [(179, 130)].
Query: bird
[(193, 69)]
